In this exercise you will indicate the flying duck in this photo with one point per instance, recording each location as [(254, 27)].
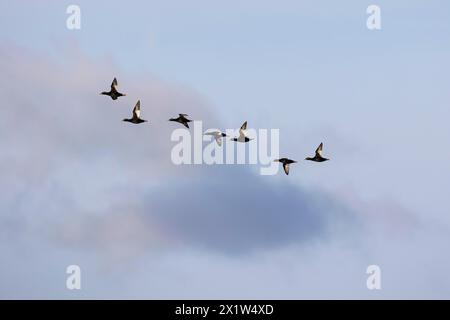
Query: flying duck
[(136, 114), (318, 157), (242, 137), (217, 135), (113, 93), (182, 119), (286, 162)]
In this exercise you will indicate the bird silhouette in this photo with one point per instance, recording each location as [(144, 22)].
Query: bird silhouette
[(286, 162), (217, 135), (318, 157), (113, 93), (182, 119), (136, 119), (242, 137)]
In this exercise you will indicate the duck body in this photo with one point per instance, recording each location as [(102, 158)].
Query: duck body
[(135, 121), (113, 94), (317, 159), (241, 139)]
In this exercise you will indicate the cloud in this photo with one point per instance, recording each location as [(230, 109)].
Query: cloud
[(79, 186), (233, 210), (72, 162)]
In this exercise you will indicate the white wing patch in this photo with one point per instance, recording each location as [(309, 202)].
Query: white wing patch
[(114, 83), (319, 149), (217, 136), (242, 131), (137, 109), (286, 168)]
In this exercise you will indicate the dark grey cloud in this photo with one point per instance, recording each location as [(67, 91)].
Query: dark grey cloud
[(231, 209)]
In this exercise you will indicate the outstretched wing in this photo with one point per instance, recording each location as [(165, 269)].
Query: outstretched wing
[(137, 110), (242, 131), (114, 85), (212, 133), (286, 167), (319, 150)]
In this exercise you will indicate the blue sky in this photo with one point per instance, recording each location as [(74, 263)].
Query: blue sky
[(379, 101)]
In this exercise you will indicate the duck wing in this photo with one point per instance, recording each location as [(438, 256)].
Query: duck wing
[(286, 168), (114, 85), (212, 133), (137, 110), (319, 150), (242, 130), (219, 140)]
